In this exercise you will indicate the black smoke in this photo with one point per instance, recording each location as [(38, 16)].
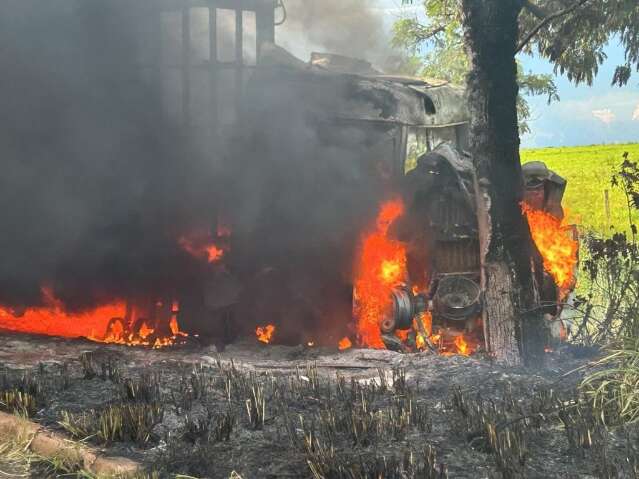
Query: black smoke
[(93, 185), (98, 184), (305, 187)]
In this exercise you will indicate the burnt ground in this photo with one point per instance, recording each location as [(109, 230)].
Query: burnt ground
[(286, 412)]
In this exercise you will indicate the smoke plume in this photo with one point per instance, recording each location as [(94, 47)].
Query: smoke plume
[(353, 28)]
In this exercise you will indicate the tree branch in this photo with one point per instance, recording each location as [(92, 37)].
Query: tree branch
[(536, 10), (547, 20), (430, 34)]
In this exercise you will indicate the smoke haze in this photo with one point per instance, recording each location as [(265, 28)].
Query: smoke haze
[(99, 183), (346, 27), (93, 182)]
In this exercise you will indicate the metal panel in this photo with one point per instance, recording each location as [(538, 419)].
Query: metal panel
[(176, 60)]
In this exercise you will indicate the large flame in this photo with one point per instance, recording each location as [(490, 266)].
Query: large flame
[(556, 243), (104, 323), (381, 265)]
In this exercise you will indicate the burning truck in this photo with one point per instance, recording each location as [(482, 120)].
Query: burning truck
[(358, 227), (415, 281)]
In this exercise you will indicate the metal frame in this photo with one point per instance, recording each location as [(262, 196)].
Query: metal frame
[(265, 32)]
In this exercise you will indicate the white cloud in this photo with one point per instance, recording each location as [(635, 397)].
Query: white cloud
[(635, 115), (606, 115), (619, 102)]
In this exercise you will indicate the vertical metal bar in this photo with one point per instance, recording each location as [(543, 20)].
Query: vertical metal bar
[(213, 106), (239, 58), (399, 168), (186, 66), (265, 24)]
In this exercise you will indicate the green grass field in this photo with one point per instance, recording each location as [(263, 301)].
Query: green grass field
[(588, 170)]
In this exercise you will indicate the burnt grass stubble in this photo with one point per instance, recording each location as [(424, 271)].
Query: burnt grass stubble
[(209, 420)]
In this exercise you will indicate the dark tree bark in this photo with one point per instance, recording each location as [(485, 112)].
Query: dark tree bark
[(513, 324)]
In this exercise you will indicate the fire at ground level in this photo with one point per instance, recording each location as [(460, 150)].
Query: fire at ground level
[(381, 267), (403, 403), (381, 284)]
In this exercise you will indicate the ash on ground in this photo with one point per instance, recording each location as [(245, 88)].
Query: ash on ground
[(284, 412)]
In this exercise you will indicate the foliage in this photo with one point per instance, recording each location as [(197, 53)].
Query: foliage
[(610, 277), (613, 269), (439, 45), (614, 387), (575, 42), (532, 84), (18, 402), (572, 35), (446, 60), (23, 394), (115, 423)]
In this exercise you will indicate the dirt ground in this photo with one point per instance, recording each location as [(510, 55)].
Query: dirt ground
[(274, 412)]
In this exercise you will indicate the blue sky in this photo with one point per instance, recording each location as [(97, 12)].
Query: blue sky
[(585, 115)]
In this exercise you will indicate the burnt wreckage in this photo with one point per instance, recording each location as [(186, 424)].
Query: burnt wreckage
[(413, 135), (440, 227)]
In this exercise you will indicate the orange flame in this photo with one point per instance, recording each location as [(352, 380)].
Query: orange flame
[(423, 325), (462, 346), (102, 324), (554, 241), (265, 334), (403, 334), (381, 265), (214, 253), (174, 326), (344, 343), (203, 248), (145, 331)]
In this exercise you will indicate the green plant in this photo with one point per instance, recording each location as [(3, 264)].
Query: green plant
[(115, 423), (611, 267), (16, 401), (614, 386)]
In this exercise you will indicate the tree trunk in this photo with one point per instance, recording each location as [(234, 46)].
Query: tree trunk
[(512, 321)]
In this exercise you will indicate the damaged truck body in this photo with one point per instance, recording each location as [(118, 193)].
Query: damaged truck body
[(411, 136)]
